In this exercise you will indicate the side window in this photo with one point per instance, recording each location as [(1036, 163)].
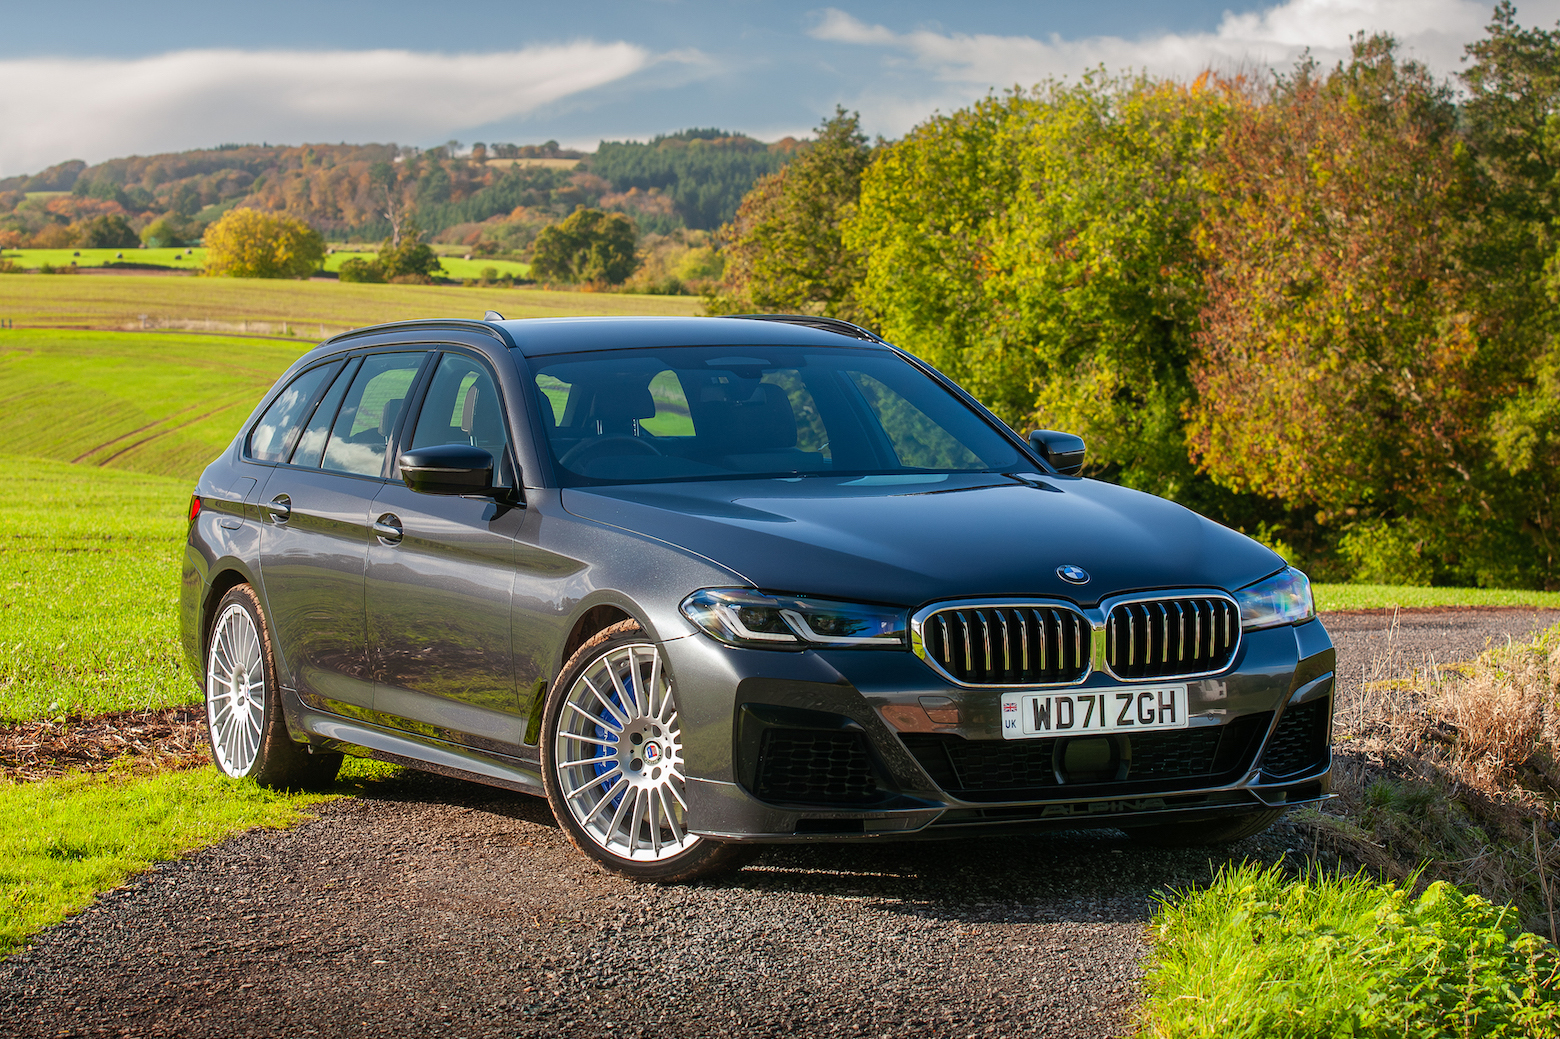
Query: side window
[(462, 407), (368, 414), (311, 446), (272, 436), (919, 441), (671, 418)]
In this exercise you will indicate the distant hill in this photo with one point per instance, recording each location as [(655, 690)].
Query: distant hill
[(693, 179)]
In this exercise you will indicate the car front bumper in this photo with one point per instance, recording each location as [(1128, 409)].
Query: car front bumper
[(841, 745)]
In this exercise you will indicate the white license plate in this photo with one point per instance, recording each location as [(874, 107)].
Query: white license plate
[(1027, 716)]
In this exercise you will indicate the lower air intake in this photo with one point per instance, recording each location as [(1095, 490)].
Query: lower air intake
[(814, 767)]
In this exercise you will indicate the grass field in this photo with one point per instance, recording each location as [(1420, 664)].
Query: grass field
[(194, 260), (32, 259), (122, 300), (89, 587), (1387, 596), (163, 403)]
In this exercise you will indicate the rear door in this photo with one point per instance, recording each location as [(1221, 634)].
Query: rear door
[(314, 542), (441, 576)]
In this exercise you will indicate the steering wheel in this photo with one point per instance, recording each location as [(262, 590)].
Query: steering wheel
[(589, 450)]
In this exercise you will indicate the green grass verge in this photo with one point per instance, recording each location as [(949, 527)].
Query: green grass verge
[(120, 301), (62, 841), (164, 403), (1386, 596), (1258, 954), (89, 589)]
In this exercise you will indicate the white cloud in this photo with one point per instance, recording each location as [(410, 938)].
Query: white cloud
[(58, 108), (959, 67)]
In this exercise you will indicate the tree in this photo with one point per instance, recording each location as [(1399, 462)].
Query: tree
[(247, 243), (1041, 248), (106, 231), (170, 229), (1344, 362), (785, 250), (410, 259), (587, 246)]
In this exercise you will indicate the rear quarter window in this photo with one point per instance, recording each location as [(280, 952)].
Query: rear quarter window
[(272, 437)]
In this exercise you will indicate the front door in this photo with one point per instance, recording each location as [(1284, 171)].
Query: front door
[(441, 576)]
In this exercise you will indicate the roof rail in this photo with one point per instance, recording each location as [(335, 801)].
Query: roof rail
[(828, 324), (485, 327)]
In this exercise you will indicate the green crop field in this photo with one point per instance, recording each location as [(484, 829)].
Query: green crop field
[(163, 403), (128, 300)]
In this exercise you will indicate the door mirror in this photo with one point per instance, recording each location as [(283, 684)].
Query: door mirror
[(1063, 450), (448, 469)]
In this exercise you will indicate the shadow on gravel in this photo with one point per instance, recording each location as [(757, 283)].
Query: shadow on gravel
[(1083, 876)]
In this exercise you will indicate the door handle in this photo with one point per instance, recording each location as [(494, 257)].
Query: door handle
[(388, 528), (280, 507)]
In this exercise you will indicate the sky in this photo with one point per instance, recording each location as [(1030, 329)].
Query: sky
[(102, 78)]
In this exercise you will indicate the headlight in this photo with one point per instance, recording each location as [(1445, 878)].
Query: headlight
[(740, 617), (1284, 598)]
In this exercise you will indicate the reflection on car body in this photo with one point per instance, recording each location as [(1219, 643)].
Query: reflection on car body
[(710, 583)]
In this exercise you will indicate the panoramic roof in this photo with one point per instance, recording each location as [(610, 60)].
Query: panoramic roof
[(561, 335)]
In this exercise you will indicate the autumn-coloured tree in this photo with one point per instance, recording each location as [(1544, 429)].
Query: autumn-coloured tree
[(587, 246), (785, 250), (1338, 364), (247, 243)]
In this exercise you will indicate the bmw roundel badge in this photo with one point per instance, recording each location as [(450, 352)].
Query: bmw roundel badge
[(1073, 574)]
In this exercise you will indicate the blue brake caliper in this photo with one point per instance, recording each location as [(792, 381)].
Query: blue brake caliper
[(604, 756)]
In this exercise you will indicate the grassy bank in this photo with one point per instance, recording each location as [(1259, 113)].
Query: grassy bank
[(306, 307), (89, 587), (1454, 774), (1257, 954)]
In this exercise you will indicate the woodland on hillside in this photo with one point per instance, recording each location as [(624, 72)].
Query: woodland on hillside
[(493, 199)]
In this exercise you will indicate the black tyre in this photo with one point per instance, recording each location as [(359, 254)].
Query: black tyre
[(612, 763), (1210, 831), (244, 717)]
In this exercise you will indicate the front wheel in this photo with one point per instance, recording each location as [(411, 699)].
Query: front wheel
[(613, 767), (244, 718)]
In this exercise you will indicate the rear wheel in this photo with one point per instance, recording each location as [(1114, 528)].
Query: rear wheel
[(1209, 831), (613, 767), (244, 718)]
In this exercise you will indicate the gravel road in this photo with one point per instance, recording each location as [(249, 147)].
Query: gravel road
[(434, 907)]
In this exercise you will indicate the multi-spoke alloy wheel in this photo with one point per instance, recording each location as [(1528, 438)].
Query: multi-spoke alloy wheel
[(244, 715), (235, 691), (614, 762)]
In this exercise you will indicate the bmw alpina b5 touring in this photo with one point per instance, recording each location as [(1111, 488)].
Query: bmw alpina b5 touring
[(708, 583)]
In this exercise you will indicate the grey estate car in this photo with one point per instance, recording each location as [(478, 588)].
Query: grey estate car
[(707, 583)]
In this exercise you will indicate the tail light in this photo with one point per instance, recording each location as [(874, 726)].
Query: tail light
[(194, 507)]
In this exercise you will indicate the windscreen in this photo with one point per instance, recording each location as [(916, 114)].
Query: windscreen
[(631, 416)]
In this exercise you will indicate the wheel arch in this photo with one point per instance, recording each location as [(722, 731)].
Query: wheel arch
[(223, 581), (594, 619)]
